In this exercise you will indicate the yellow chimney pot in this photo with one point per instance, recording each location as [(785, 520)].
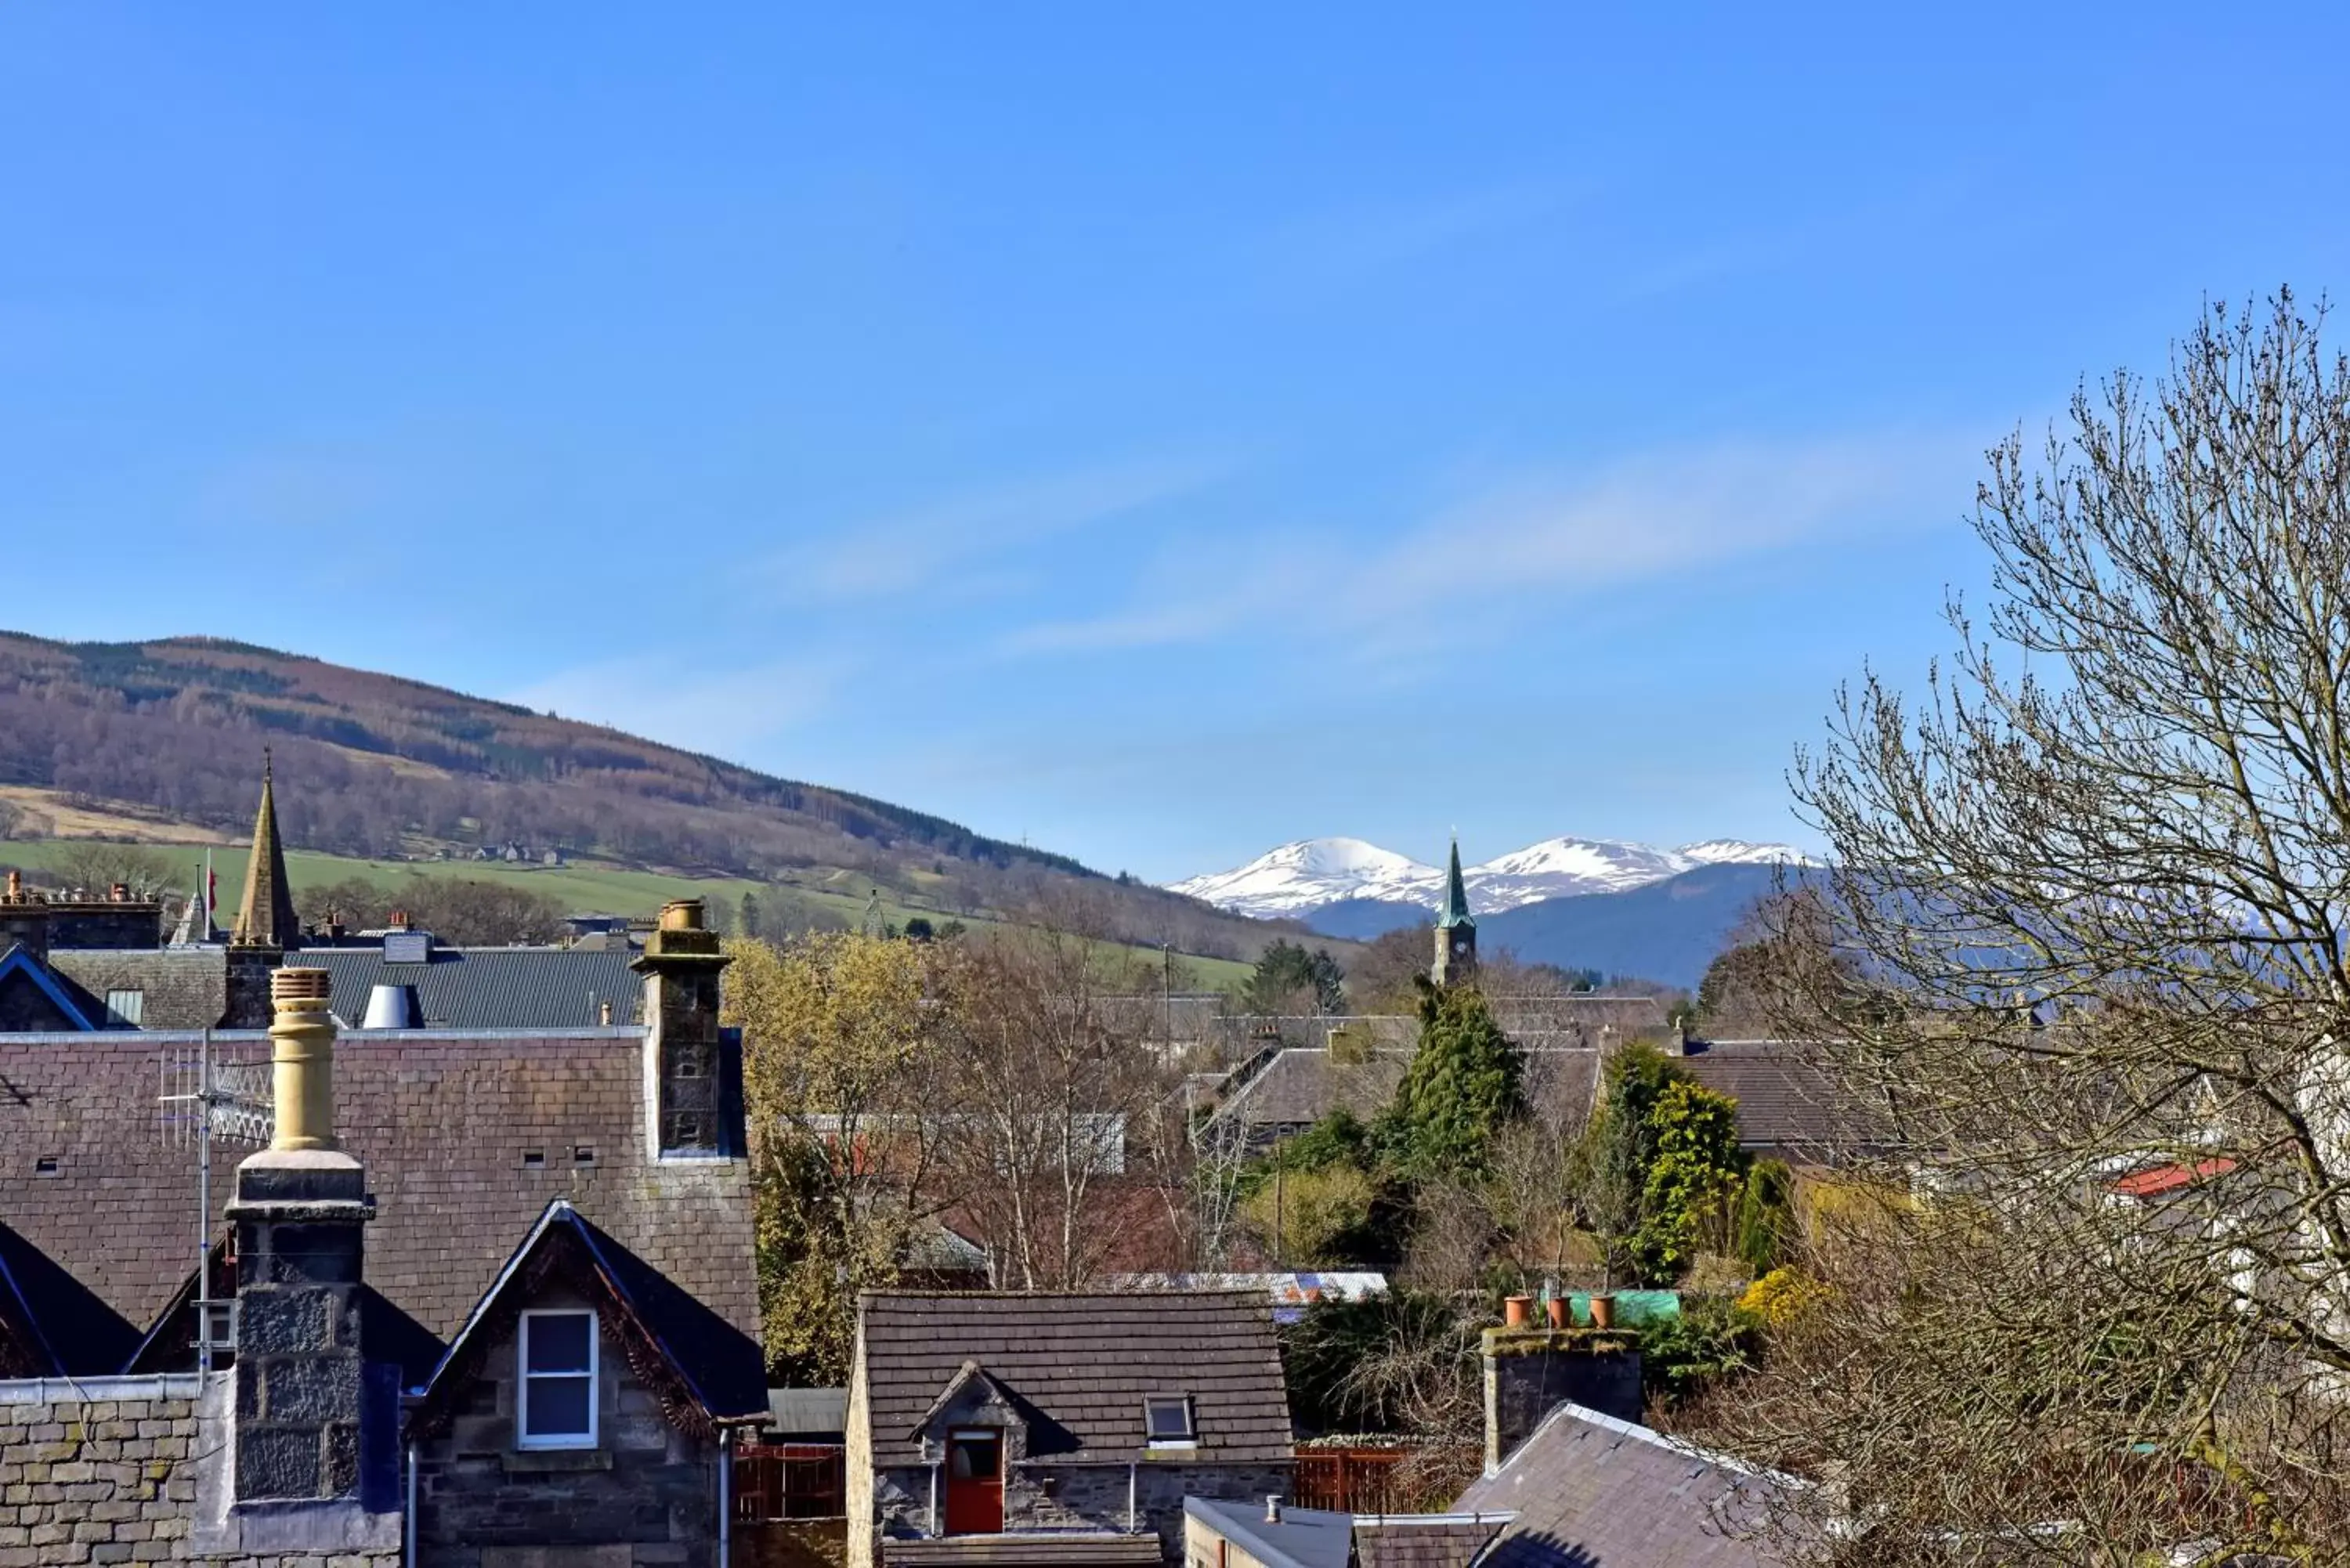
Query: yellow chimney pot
[(302, 1059)]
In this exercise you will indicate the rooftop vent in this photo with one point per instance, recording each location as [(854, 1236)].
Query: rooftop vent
[(391, 1007)]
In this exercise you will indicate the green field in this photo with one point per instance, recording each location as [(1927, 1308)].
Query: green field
[(581, 887)]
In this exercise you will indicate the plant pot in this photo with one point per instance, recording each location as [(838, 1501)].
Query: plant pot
[(1603, 1311), (1559, 1315), (1513, 1311)]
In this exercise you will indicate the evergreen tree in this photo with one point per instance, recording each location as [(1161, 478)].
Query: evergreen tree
[(1693, 1180), (1465, 1082), (1288, 976), (747, 919)]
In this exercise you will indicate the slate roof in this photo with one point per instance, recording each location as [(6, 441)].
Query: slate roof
[(1427, 1542), (1592, 1492), (1081, 1366), (442, 1121), (490, 987), (1788, 1098), (704, 1372), (185, 988)]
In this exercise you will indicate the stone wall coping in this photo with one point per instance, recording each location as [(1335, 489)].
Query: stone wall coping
[(85, 1390)]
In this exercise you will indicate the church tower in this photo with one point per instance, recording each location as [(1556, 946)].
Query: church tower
[(1456, 929)]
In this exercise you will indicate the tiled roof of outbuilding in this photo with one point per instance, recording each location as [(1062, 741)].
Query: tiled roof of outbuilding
[(442, 1122), (1423, 1542), (491, 988), (1083, 1365)]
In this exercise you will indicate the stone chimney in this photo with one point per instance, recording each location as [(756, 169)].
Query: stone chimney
[(684, 1054), (1531, 1371), (301, 1436), (24, 920), (298, 1210)]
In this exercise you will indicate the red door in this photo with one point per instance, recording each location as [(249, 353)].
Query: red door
[(975, 1482)]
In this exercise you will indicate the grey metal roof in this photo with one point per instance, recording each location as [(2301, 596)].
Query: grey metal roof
[(490, 987), (1592, 1492), (1302, 1538), (807, 1410)]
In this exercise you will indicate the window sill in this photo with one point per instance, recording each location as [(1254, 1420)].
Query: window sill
[(555, 1461)]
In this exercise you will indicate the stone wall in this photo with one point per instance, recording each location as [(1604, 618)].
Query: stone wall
[(646, 1495), (99, 1470), (1042, 1496)]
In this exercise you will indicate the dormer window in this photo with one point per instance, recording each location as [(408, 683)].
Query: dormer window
[(557, 1408), (1166, 1421)]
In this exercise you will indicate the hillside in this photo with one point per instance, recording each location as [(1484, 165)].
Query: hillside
[(161, 742), (1666, 930)]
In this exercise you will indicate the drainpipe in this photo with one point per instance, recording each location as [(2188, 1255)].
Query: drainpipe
[(409, 1524), (725, 1496), (1130, 1526)]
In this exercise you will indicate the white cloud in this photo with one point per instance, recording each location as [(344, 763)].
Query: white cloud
[(1531, 539), (724, 712), (961, 536)]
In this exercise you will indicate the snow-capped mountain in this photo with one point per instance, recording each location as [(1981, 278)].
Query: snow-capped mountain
[(1559, 867), (1317, 871), (1738, 852), (1299, 877)]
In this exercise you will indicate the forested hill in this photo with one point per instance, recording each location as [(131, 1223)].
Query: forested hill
[(374, 765)]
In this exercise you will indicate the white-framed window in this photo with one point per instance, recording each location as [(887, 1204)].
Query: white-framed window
[(127, 1005), (1166, 1421), (556, 1393)]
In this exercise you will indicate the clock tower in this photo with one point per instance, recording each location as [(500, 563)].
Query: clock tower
[(1456, 929)]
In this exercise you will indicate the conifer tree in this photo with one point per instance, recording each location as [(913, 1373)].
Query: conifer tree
[(1466, 1082)]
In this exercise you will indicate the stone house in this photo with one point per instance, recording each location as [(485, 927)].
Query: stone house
[(1017, 1428), (489, 1297)]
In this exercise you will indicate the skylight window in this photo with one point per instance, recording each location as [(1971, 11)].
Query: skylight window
[(1167, 1420)]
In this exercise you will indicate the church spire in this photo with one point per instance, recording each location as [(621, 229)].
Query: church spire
[(265, 917), (1456, 895), (1456, 929)]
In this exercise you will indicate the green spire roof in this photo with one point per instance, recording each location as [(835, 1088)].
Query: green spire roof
[(1456, 895)]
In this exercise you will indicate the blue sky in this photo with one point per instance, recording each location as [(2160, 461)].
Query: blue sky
[(1155, 433)]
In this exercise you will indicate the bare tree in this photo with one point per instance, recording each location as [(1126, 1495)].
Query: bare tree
[(1047, 1086), (2089, 966), (94, 865)]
